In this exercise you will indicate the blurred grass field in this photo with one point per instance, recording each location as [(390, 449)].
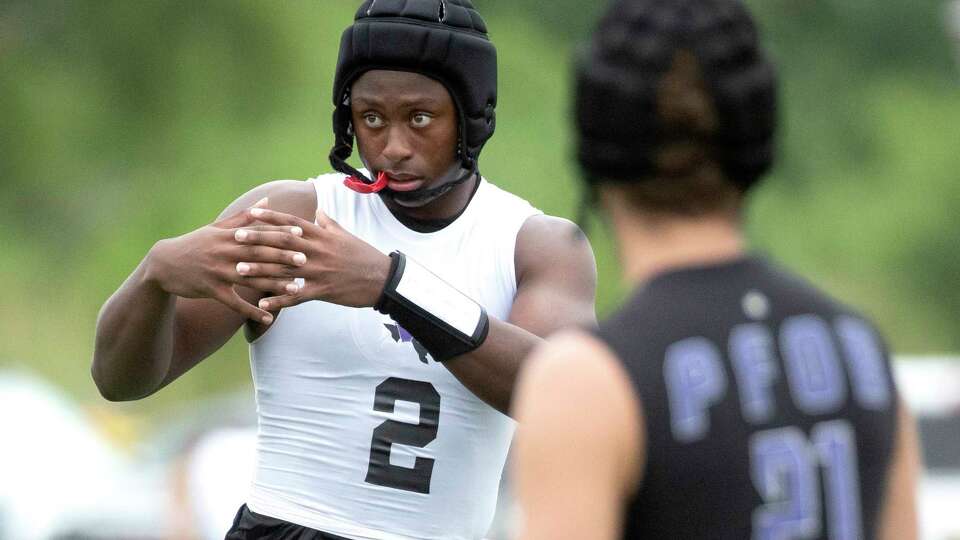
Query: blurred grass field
[(125, 122)]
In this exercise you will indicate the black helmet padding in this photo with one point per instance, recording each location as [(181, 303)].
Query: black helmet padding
[(619, 73), (445, 40)]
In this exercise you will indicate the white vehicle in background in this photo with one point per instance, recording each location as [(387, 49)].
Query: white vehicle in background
[(931, 387)]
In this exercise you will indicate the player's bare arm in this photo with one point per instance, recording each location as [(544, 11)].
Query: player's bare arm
[(556, 288), (597, 440), (185, 299), (898, 518)]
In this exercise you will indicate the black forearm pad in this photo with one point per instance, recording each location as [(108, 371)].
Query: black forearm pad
[(438, 336)]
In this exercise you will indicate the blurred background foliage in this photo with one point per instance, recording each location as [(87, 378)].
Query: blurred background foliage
[(122, 122)]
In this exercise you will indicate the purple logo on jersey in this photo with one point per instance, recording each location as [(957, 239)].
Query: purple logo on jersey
[(400, 335)]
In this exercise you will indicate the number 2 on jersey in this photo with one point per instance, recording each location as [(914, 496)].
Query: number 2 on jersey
[(784, 470), (380, 471)]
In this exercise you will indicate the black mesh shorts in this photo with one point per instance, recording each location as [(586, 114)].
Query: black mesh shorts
[(252, 526)]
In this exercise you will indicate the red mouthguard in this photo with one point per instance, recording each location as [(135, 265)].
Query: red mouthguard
[(360, 186)]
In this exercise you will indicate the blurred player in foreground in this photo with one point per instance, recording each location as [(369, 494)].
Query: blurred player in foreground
[(383, 383), (727, 398)]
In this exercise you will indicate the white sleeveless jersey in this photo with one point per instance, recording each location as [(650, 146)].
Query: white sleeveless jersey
[(361, 433)]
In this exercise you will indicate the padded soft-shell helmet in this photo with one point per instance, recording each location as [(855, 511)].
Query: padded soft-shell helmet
[(619, 73), (445, 40)]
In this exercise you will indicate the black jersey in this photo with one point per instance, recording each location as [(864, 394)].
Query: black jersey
[(769, 407)]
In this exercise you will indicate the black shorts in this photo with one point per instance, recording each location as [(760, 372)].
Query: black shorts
[(252, 526)]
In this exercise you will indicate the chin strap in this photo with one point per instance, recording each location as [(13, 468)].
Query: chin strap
[(362, 185), (433, 193)]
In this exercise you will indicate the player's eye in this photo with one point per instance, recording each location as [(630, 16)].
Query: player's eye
[(373, 121), (421, 120)]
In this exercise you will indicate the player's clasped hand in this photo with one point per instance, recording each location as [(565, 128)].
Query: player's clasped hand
[(204, 263), (335, 265)]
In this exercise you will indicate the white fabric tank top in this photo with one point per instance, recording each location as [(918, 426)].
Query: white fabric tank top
[(331, 381)]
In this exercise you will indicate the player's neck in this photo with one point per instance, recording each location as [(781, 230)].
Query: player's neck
[(649, 247)]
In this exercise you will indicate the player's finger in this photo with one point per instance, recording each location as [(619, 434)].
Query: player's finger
[(273, 217), (287, 240), (279, 286), (275, 303), (243, 217), (280, 271), (267, 254), (229, 297), (297, 231)]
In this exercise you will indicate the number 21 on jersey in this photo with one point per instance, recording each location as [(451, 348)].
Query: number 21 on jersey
[(784, 467)]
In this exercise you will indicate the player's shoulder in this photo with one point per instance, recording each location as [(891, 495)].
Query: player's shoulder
[(554, 244), (576, 363), (544, 227), (803, 295), (568, 351), (569, 363), (791, 296), (296, 197)]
